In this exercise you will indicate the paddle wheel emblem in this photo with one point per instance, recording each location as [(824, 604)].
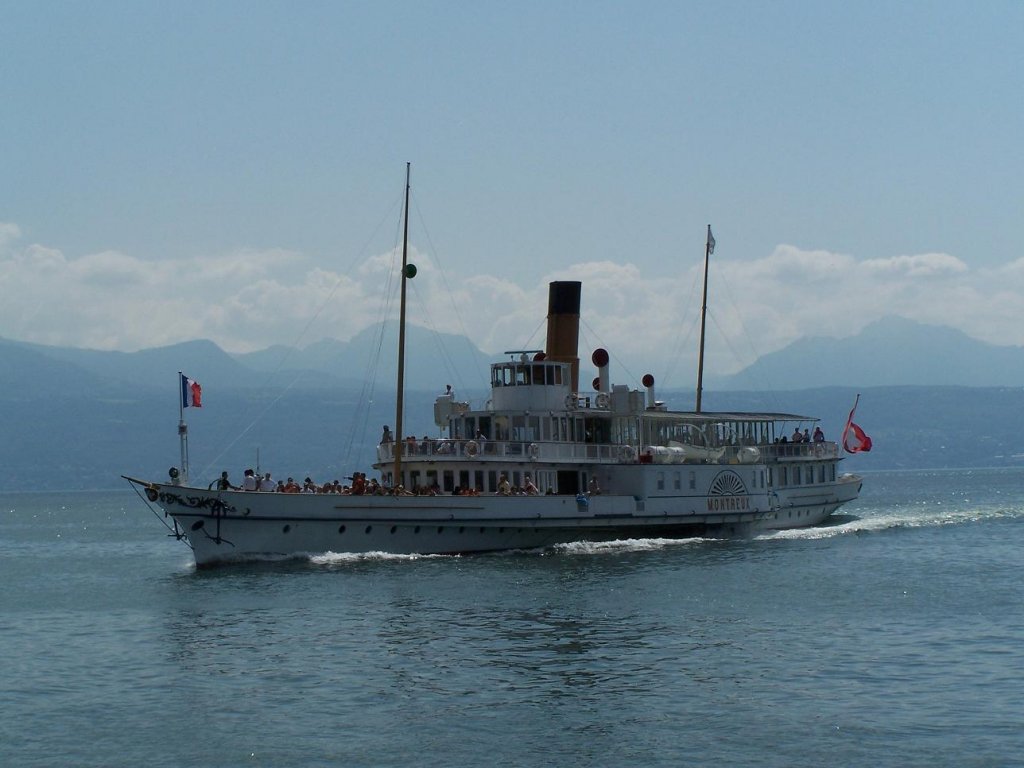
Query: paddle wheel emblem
[(728, 493)]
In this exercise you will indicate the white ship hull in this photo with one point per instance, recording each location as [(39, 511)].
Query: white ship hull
[(232, 526)]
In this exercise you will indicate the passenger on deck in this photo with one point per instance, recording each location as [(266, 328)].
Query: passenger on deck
[(223, 484), (797, 437), (593, 488), (529, 487), (250, 482), (267, 484), (504, 489), (806, 437), (819, 436), (387, 437)]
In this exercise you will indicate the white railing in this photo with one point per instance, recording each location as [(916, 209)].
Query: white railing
[(503, 450)]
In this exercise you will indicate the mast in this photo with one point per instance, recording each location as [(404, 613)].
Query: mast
[(400, 388), (183, 429), (709, 248)]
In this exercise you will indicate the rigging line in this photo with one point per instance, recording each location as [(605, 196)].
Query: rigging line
[(757, 386), (682, 339), (768, 397), (292, 349), (451, 295), (533, 335), (259, 417), (618, 361), (443, 351), (752, 349), (368, 389)]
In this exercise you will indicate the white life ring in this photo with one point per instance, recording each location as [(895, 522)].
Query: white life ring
[(472, 448), (602, 400), (534, 450), (572, 402)]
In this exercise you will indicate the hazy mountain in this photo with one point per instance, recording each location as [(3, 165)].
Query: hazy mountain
[(77, 418), (157, 367), (432, 359), (892, 351), (28, 372)]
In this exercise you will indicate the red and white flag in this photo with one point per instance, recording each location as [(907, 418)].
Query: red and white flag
[(854, 438)]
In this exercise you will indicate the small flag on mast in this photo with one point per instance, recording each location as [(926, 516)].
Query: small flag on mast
[(711, 241), (191, 393)]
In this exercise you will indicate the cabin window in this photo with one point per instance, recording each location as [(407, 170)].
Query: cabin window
[(821, 473), (464, 479), (492, 481), (431, 478), (677, 481), (693, 480), (833, 468), (661, 481), (478, 480), (447, 481), (809, 474)]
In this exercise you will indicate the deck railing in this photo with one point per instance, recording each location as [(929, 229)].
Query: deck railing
[(503, 450)]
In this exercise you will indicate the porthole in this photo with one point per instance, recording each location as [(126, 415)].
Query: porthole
[(416, 529), (286, 529), (462, 528), (369, 528), (198, 524), (341, 529), (394, 528), (440, 529)]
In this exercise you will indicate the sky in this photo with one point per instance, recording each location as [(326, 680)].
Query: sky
[(234, 171)]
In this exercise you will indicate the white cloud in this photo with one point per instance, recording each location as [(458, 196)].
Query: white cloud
[(250, 299)]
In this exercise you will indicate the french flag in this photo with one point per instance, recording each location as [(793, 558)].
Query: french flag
[(191, 393)]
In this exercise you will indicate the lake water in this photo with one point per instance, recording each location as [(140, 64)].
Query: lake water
[(892, 638)]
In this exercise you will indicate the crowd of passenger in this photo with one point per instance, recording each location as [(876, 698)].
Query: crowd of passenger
[(361, 486), (804, 437), (253, 481), (430, 446)]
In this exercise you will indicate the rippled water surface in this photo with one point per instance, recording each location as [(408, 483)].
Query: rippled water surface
[(893, 637)]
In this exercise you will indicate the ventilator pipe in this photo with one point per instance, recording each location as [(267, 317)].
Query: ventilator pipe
[(600, 359), (648, 381)]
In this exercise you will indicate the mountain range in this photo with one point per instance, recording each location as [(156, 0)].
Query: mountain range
[(77, 419), (890, 352)]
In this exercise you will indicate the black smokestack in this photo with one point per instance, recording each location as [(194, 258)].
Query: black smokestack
[(564, 326)]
